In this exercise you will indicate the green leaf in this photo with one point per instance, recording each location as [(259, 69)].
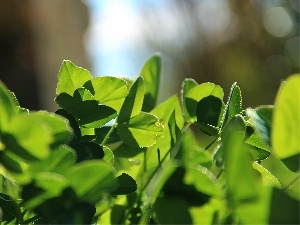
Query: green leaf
[(71, 77), (286, 119), (257, 210), (171, 210), (194, 95), (85, 108), (203, 180), (266, 113), (141, 130), (57, 125), (257, 141), (88, 150), (175, 134), (110, 91), (73, 124), (59, 161), (260, 126), (46, 185), (10, 162), (8, 107), (238, 171), (102, 132), (108, 155), (125, 185), (193, 155), (258, 153), (28, 138), (187, 85), (133, 102), (117, 214), (91, 179), (151, 74), (9, 209), (287, 215), (209, 113), (268, 179), (164, 110), (233, 105)]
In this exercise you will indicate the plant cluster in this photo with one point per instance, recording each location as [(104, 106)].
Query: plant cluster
[(111, 155)]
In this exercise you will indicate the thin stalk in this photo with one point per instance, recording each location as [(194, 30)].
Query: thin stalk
[(109, 133)]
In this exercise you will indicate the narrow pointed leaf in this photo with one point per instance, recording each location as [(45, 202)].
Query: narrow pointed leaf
[(151, 74), (71, 77), (233, 105)]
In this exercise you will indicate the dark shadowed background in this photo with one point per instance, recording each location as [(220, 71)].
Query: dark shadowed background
[(253, 42)]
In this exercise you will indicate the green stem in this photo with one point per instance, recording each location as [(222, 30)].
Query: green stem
[(109, 133), (211, 143)]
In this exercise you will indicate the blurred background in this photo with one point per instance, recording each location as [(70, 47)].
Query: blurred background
[(253, 42)]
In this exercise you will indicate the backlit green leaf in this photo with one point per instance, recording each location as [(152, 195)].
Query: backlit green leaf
[(90, 179), (194, 95), (85, 108), (57, 125), (28, 138), (8, 107), (71, 77), (151, 74), (233, 105), (141, 130), (268, 179), (204, 181), (59, 161), (187, 85), (107, 88), (238, 171), (286, 119), (164, 110), (133, 102)]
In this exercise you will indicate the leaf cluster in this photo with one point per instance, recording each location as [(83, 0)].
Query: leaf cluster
[(111, 154)]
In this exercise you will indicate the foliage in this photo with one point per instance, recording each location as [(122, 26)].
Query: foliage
[(111, 155)]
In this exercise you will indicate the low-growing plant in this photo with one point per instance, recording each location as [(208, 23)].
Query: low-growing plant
[(111, 155)]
